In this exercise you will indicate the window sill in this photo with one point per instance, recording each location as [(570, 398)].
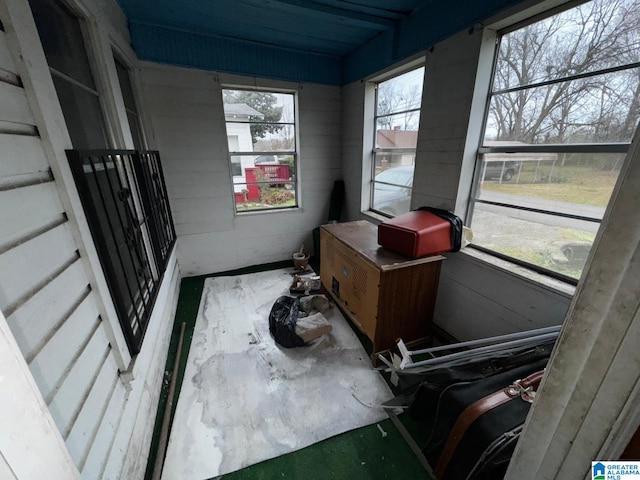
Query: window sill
[(522, 273), (251, 213), (484, 259), (373, 216)]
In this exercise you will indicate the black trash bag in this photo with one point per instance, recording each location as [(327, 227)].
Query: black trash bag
[(282, 322)]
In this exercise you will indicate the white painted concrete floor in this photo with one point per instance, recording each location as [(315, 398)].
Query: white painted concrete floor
[(245, 399)]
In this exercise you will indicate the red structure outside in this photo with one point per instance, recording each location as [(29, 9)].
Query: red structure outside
[(275, 174)]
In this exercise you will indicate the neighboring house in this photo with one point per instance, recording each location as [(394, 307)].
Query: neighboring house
[(240, 140), (396, 138)]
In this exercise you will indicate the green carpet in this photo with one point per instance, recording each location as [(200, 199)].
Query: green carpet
[(361, 454)]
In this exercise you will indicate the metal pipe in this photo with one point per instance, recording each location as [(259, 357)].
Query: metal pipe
[(451, 363), (481, 341), (164, 433), (489, 348)]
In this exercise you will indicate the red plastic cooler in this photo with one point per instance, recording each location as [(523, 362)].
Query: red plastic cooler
[(416, 234)]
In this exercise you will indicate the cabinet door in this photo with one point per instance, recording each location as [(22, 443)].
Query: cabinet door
[(352, 281), (406, 302)]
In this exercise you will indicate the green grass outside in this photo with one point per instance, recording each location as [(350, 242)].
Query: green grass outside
[(273, 192), (251, 206), (542, 258), (577, 235), (582, 185)]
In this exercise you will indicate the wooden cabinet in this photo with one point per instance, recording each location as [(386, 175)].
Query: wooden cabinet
[(387, 295)]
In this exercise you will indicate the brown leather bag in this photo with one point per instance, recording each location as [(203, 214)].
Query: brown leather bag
[(522, 389)]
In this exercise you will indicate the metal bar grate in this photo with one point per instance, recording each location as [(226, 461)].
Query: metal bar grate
[(125, 200), (153, 191)]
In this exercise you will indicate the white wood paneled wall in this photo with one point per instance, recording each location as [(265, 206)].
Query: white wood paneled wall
[(356, 146), (184, 109), (476, 300), (446, 105), (47, 289), (44, 291)]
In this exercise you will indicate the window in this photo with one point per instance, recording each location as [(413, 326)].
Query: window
[(135, 125), (122, 192), (396, 122), (564, 104), (63, 42), (263, 154), (125, 200)]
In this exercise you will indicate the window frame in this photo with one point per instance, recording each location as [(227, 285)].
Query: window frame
[(96, 48), (125, 210), (375, 150), (90, 48), (119, 60), (295, 180), (585, 148)]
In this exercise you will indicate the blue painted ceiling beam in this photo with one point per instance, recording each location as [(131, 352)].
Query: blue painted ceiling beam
[(420, 31), (331, 42), (375, 18), (209, 52)]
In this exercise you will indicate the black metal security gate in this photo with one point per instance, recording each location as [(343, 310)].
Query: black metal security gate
[(125, 200)]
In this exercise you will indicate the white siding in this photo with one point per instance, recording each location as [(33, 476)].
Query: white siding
[(128, 453), (26, 215), (33, 324), (478, 300), (30, 445), (44, 290), (446, 106), (14, 105), (184, 108), (82, 438), (38, 259), (105, 435), (47, 290), (51, 365)]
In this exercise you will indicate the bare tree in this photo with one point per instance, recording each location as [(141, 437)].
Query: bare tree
[(288, 131), (591, 37), (400, 94)]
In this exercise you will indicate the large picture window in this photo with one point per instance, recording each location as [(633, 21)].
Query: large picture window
[(396, 122), (564, 104), (263, 153)]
